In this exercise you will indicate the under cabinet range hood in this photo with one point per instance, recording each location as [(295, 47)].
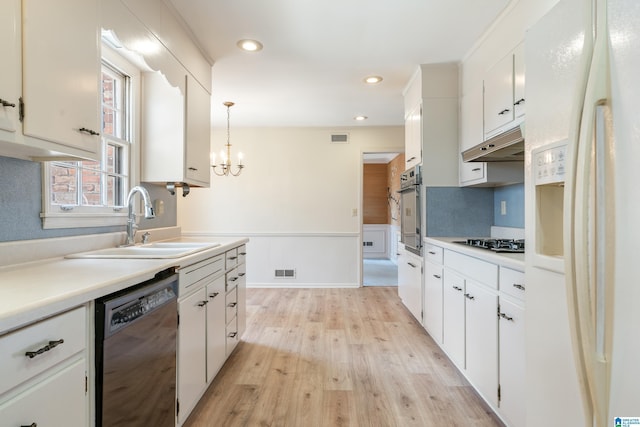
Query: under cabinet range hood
[(507, 146)]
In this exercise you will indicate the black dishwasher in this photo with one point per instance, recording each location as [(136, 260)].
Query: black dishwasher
[(136, 335)]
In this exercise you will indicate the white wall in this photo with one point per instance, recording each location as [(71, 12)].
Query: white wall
[(294, 200)]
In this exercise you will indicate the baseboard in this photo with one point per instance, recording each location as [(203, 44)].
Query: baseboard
[(303, 285)]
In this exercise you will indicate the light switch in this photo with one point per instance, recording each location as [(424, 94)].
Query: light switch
[(354, 212)]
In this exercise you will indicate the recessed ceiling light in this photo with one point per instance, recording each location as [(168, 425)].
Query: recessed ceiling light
[(249, 45), (372, 80), (360, 118)]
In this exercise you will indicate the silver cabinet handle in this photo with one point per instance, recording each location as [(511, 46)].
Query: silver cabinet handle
[(52, 344)]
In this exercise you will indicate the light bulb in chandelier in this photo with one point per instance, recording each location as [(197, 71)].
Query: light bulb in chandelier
[(225, 166)]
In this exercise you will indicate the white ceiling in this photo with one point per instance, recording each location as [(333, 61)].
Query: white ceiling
[(317, 53)]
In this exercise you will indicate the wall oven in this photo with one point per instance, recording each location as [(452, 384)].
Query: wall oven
[(410, 219)]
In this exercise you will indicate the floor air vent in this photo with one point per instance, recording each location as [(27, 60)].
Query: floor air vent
[(339, 138), (285, 274)]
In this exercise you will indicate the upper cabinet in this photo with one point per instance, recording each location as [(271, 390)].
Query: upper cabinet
[(10, 70), (175, 131), (57, 70), (431, 123), (504, 92)]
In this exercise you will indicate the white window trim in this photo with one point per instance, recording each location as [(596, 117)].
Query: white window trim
[(55, 216)]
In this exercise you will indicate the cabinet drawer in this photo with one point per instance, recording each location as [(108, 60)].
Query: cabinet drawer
[(233, 278), (192, 275), (242, 254), (512, 282), (433, 253), (232, 305), (68, 330), (231, 258), (471, 171), (480, 271), (232, 335), (56, 401)]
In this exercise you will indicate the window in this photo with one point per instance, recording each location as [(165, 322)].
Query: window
[(93, 193)]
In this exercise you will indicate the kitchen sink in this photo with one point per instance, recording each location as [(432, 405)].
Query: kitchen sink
[(157, 250)]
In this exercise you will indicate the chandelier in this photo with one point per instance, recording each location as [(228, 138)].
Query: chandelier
[(225, 163)]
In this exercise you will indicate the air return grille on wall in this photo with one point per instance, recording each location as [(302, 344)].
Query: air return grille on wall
[(285, 274), (339, 138)]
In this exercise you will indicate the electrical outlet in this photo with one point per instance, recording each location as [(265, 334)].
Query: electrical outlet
[(354, 212), (503, 207)]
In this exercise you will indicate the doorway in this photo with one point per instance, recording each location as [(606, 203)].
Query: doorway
[(380, 226)]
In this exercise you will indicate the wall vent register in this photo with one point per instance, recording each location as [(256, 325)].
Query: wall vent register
[(285, 274)]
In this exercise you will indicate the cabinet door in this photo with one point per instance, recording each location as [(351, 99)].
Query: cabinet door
[(471, 126), (498, 95), (9, 72), (61, 72), (198, 131), (242, 299), (58, 400), (453, 317), (512, 363), (216, 341), (413, 137), (410, 283), (191, 351), (433, 283), (482, 340), (518, 82)]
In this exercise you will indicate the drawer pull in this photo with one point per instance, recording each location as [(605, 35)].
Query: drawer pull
[(505, 317), (233, 304), (412, 265), (457, 288), (475, 170), (213, 295), (469, 296), (232, 257), (52, 344), (202, 303), (7, 103), (437, 276), (432, 253), (89, 131), (233, 279), (241, 274), (233, 334), (503, 112), (518, 286), (243, 253), (31, 425)]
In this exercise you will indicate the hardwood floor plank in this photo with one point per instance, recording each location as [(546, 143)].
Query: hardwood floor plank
[(337, 357)]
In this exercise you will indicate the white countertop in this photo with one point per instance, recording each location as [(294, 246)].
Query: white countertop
[(36, 290), (509, 260)]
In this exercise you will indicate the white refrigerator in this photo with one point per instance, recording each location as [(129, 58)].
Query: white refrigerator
[(582, 215)]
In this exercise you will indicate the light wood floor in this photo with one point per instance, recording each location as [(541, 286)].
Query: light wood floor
[(337, 357)]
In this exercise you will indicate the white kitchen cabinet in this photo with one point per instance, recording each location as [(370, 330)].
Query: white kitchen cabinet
[(482, 339), (453, 341), (410, 282), (216, 341), (483, 174), (413, 137), (59, 400), (512, 362), (43, 367), (192, 363), (433, 291), (10, 70), (498, 95), (61, 74), (175, 131), (519, 82)]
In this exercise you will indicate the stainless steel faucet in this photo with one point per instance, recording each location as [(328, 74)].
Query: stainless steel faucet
[(148, 211)]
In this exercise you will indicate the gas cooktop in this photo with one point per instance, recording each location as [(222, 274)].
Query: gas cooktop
[(496, 245)]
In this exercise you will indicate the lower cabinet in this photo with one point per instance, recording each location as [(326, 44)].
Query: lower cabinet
[(410, 282), (43, 368), (432, 305), (210, 306), (482, 340), (483, 308)]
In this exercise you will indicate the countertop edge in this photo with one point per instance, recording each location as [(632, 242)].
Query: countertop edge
[(50, 301), (513, 261)]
